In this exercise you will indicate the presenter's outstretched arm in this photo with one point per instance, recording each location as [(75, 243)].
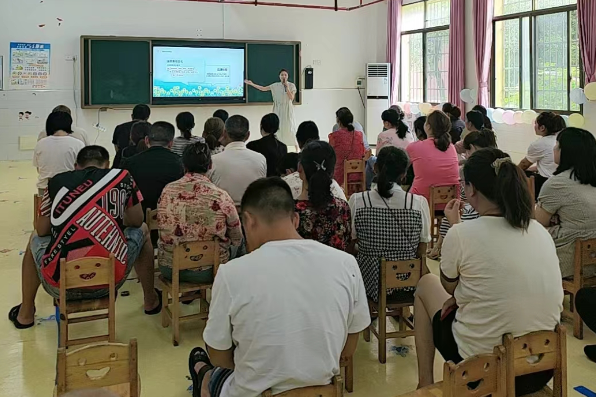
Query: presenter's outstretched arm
[(258, 87)]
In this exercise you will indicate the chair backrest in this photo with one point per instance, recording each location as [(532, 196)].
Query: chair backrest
[(196, 254), (442, 195), (401, 274), (478, 376), (585, 252), (98, 365), (335, 389), (151, 219), (354, 167), (87, 272), (537, 352)]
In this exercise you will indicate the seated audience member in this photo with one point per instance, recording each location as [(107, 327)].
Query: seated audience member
[(308, 132), (540, 152), (288, 165), (77, 133), (585, 303), (108, 221), (396, 131), (357, 127), (221, 114), (457, 124), (499, 273), (421, 136), (487, 122), (194, 209), (434, 160), (475, 121), (212, 133), (251, 350), (157, 166), (567, 201), (57, 152), (323, 217), (388, 222), (185, 122), (474, 141), (121, 136), (347, 143), (237, 167), (269, 146), (138, 132)]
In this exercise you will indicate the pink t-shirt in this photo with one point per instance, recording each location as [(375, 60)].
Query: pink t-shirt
[(432, 167), (390, 138)]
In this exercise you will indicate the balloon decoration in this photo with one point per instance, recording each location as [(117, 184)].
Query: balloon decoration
[(566, 118), (425, 108), (407, 108), (529, 116), (508, 117), (590, 91), (415, 108), (473, 94), (576, 120), (578, 96), (498, 116), (518, 117), (489, 113), (466, 95)]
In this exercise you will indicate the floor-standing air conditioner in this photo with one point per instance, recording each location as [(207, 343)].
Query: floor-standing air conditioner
[(377, 97)]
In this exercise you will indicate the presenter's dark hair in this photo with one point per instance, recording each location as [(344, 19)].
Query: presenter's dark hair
[(237, 128), (578, 154), (141, 112), (307, 132), (58, 121), (318, 162), (185, 122), (93, 155), (345, 118), (284, 70), (197, 158), (269, 199), (161, 133), (221, 114), (270, 123), (394, 118), (392, 164)]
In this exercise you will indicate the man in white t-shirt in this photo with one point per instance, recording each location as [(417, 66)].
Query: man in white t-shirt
[(57, 153), (77, 133), (282, 316)]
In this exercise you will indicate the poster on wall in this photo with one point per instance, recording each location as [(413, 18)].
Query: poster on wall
[(29, 66)]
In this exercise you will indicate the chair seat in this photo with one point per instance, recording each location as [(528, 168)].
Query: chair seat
[(86, 305), (184, 286), (434, 390), (121, 390), (569, 286)]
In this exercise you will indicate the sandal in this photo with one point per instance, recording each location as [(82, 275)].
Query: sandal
[(434, 254), (12, 316), (157, 308), (198, 355)]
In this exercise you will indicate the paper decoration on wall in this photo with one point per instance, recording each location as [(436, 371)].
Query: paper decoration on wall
[(529, 116), (590, 91), (29, 66), (26, 115), (498, 116), (578, 96), (576, 120)]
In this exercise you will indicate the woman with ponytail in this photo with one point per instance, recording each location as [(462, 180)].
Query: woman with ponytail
[(348, 145), (434, 160), (212, 132), (499, 273), (269, 146), (457, 125), (323, 217), (396, 131), (185, 122), (388, 222)]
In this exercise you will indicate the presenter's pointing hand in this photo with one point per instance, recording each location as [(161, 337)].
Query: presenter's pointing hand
[(249, 82)]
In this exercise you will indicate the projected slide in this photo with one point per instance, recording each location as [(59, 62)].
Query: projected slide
[(191, 72)]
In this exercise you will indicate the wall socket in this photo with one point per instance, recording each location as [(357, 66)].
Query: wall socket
[(70, 58)]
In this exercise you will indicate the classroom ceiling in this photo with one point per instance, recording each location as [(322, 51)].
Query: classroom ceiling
[(333, 5)]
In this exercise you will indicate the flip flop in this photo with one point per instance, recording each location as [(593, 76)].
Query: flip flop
[(198, 355), (12, 316), (157, 309)]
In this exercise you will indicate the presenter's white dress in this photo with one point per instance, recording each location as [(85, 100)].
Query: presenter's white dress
[(284, 108)]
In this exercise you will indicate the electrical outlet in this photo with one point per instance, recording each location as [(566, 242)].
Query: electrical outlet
[(69, 58)]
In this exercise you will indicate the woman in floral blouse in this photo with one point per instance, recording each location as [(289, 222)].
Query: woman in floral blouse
[(194, 209), (323, 217)]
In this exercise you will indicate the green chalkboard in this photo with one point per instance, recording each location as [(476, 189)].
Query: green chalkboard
[(264, 64), (117, 71), (120, 72)]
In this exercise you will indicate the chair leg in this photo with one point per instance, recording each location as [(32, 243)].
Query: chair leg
[(63, 331), (175, 319), (165, 321), (382, 336), (578, 326), (402, 324), (350, 375)]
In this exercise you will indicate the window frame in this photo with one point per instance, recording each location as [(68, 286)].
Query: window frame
[(424, 31), (532, 15)]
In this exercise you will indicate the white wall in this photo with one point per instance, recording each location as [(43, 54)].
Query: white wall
[(343, 41)]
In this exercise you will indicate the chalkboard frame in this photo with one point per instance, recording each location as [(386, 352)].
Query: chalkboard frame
[(85, 69)]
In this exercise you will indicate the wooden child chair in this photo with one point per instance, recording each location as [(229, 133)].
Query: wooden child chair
[(585, 255), (347, 364), (335, 389), (478, 376), (112, 366), (439, 197), (151, 221), (390, 276), (86, 273), (187, 256), (352, 167), (537, 352)]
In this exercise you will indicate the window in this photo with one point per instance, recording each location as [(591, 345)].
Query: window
[(425, 51), (536, 59)]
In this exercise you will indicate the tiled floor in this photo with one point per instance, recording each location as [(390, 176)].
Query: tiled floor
[(28, 358)]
